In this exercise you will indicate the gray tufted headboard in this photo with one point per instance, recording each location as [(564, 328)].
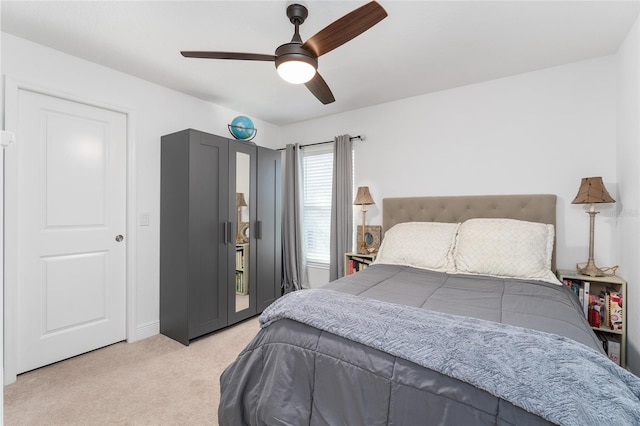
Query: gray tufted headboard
[(530, 207)]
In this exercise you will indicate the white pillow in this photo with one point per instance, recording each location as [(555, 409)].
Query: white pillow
[(505, 248), (425, 245)]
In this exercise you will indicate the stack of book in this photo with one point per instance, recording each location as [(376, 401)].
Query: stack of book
[(240, 287), (578, 287), (603, 309), (239, 258)]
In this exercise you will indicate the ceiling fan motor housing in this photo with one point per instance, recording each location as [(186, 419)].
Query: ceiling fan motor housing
[(295, 52)]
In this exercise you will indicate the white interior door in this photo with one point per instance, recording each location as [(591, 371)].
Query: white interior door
[(71, 262)]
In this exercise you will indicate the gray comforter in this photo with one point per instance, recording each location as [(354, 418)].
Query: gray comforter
[(294, 373), (531, 369)]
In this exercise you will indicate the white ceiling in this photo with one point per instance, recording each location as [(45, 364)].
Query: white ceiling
[(421, 47)]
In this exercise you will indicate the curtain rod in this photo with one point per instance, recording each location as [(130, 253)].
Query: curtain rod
[(361, 137)]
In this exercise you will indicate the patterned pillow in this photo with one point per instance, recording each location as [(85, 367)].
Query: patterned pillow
[(426, 245), (506, 248)]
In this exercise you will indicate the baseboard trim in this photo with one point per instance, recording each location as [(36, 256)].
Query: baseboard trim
[(144, 331)]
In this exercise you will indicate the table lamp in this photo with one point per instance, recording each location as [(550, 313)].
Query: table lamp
[(240, 203), (592, 191), (363, 198)]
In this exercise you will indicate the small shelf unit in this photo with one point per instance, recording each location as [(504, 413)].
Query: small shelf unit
[(597, 286), (355, 262)]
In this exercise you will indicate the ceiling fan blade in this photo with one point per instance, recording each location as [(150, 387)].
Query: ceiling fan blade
[(346, 28), (320, 89), (228, 55)]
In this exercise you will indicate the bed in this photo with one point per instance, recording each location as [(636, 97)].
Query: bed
[(459, 321)]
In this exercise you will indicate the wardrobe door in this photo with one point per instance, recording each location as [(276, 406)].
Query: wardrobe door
[(241, 283), (208, 233), (268, 229), (174, 231)]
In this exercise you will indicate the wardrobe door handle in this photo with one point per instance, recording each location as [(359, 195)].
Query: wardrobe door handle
[(258, 230), (230, 233), (226, 232)]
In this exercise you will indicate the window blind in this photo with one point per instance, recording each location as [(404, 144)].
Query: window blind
[(317, 182)]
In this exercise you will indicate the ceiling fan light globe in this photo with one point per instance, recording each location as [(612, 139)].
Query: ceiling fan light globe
[(296, 72)]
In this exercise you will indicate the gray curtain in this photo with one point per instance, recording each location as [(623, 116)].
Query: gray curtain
[(341, 205), (293, 258)]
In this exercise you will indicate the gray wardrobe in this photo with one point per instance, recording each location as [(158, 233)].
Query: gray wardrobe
[(220, 249)]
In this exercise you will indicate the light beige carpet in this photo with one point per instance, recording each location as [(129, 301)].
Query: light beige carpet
[(156, 381)]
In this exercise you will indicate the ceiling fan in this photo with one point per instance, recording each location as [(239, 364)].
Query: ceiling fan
[(297, 62)]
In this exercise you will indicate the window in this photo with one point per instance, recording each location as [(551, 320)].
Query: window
[(317, 182), (317, 164)]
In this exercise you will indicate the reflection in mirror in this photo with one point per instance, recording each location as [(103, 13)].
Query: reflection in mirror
[(242, 231), (240, 203)]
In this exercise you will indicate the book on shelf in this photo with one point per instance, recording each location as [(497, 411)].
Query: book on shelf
[(615, 310), (586, 285), (606, 312)]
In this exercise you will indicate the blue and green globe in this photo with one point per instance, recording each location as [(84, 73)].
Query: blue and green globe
[(242, 127)]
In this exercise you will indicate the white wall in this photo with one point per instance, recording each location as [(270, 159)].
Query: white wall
[(538, 132), (158, 111), (628, 143)]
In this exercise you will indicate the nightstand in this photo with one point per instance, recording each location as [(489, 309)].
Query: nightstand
[(603, 291), (354, 262)]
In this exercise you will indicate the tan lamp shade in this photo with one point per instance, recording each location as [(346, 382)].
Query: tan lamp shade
[(363, 197), (240, 202), (592, 191)]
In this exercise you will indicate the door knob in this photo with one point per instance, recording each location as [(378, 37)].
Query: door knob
[(119, 238)]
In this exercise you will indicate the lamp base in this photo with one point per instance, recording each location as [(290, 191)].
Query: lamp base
[(590, 269), (363, 248)]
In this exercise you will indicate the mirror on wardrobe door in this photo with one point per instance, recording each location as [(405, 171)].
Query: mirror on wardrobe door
[(243, 174)]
